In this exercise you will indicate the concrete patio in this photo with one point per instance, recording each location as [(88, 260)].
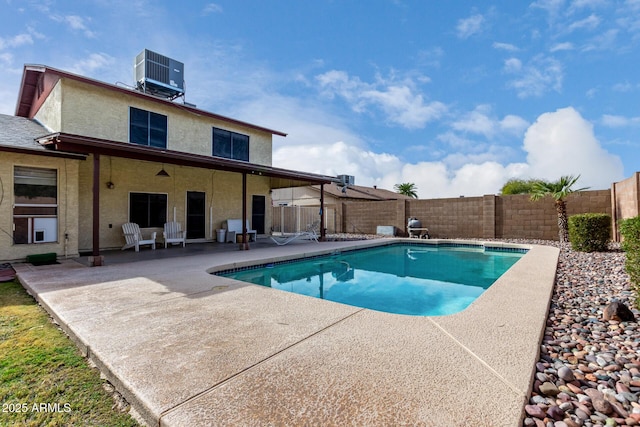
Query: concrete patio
[(187, 348)]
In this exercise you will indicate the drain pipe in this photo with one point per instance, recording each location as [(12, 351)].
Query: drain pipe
[(66, 244), (211, 222)]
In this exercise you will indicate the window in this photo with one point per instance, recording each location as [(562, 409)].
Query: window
[(230, 145), (147, 209), (35, 208), (147, 128)]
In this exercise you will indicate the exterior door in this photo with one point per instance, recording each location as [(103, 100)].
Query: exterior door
[(257, 213), (195, 215)]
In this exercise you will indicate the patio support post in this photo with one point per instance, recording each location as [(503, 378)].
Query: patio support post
[(244, 245), (322, 230), (96, 210)]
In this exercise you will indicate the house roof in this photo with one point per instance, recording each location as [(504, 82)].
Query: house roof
[(33, 73), (18, 134), (362, 193)]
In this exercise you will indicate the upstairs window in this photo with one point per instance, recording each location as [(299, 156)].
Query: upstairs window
[(147, 128), (230, 145)]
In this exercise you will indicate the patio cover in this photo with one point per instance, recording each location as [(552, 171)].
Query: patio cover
[(60, 142)]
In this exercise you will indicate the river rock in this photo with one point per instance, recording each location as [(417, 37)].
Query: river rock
[(566, 374), (555, 412), (549, 389), (618, 311), (535, 411)]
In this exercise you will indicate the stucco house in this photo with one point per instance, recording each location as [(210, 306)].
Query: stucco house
[(81, 157)]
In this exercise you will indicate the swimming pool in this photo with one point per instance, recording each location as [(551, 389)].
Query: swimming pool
[(412, 279)]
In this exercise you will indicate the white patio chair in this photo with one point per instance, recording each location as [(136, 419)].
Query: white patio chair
[(234, 227), (173, 233), (133, 237)]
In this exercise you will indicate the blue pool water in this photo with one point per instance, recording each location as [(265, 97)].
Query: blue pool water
[(414, 279)]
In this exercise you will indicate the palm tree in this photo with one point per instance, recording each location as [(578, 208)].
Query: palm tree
[(558, 190), (408, 189)]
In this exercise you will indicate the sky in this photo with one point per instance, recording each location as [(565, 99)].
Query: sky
[(456, 97)]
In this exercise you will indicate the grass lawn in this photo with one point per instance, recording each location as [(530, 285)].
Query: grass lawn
[(44, 380)]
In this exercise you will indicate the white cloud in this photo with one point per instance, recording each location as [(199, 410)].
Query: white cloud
[(582, 4), (476, 121), (7, 100), (431, 57), (558, 143), (482, 121), (604, 41), (505, 46), (455, 140), (212, 8), (623, 87), (336, 158), (88, 66), (552, 7), (513, 124), (399, 99), (589, 23), (469, 26), (561, 46), (563, 143), (537, 77), (75, 22), (436, 180), (15, 41), (512, 65), (614, 121)]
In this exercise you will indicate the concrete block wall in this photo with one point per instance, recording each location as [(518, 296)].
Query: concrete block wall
[(454, 217), (364, 217), (625, 197), (521, 218), (487, 217)]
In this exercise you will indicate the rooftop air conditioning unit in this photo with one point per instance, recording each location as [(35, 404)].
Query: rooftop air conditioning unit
[(347, 180), (159, 75)]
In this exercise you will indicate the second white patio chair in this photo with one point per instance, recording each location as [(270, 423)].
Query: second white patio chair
[(174, 234)]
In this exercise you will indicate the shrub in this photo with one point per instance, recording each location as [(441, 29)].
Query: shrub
[(589, 232), (630, 231)]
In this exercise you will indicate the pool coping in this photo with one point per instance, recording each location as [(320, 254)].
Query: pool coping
[(444, 243), (473, 367)]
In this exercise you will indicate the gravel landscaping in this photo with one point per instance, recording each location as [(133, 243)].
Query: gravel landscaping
[(588, 373)]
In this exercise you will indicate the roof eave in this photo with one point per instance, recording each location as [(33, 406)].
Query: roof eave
[(41, 152), (88, 145)]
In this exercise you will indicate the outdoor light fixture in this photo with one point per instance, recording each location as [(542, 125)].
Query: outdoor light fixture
[(110, 184), (162, 172)]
